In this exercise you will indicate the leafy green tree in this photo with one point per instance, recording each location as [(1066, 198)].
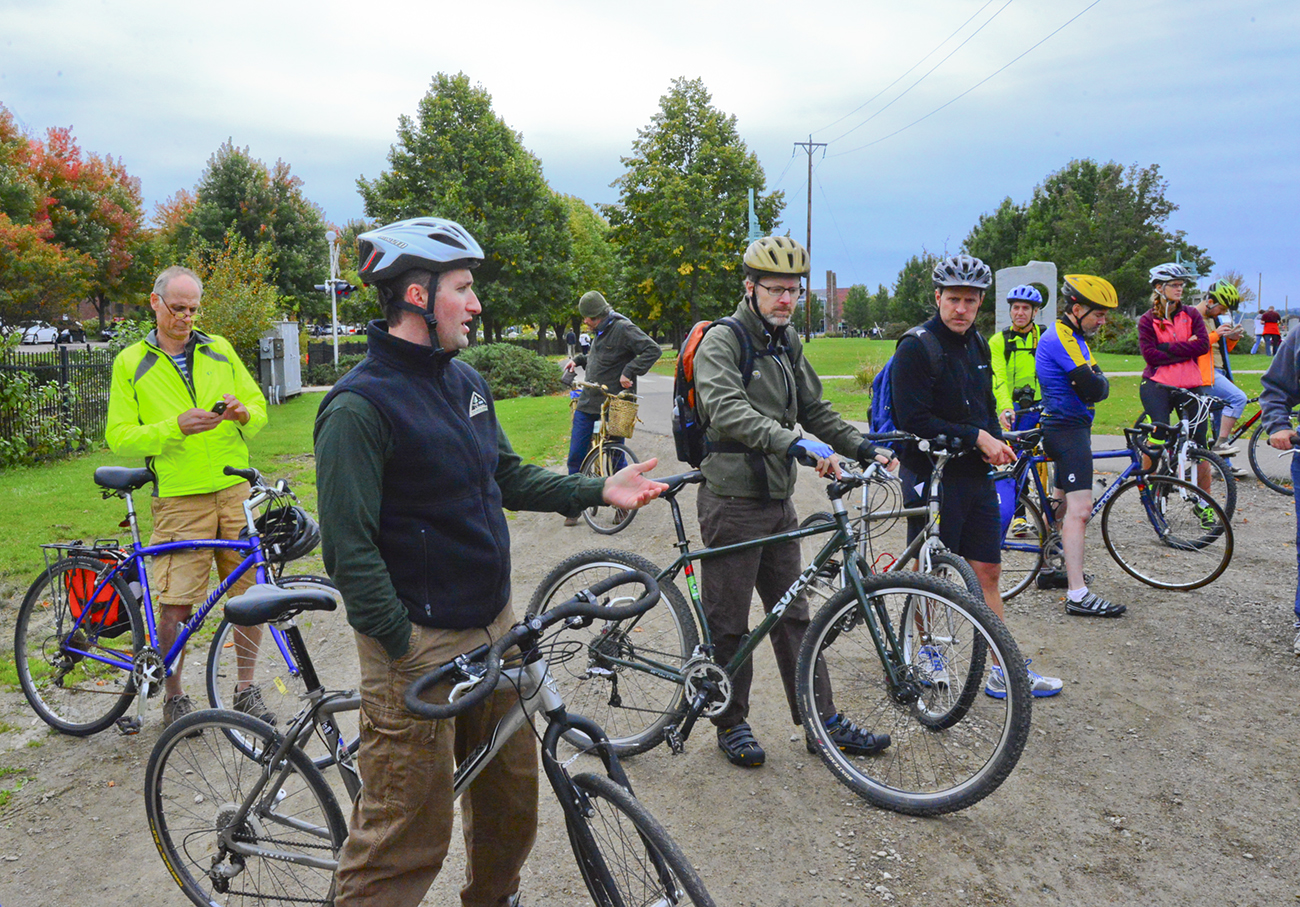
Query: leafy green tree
[(595, 266), (1093, 218), (239, 300), (857, 307), (681, 220), (38, 279), (265, 207), (458, 159), (913, 299), (798, 320), (880, 302)]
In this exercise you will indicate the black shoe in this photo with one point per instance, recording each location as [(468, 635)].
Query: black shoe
[(848, 738), (740, 746), (1056, 579), (1093, 605)]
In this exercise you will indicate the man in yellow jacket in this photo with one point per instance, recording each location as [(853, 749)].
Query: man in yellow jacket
[(183, 400)]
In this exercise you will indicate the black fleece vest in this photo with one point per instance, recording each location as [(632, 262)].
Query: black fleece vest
[(442, 532)]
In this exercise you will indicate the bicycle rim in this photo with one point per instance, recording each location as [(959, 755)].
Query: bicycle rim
[(71, 692), (625, 856), (194, 784), (602, 463), (1270, 465), (332, 645), (947, 750), (625, 675), (1022, 549), (1223, 484), (1166, 533)]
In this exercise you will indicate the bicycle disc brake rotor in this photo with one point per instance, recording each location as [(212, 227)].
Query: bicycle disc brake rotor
[(703, 677)]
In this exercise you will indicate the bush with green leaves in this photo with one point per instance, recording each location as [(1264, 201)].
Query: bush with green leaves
[(1120, 335), (323, 374), (33, 433), (513, 372)]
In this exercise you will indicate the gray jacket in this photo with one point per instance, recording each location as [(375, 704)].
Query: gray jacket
[(618, 348), (763, 415), (1281, 385)]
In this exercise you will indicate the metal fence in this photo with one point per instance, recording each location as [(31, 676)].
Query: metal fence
[(83, 376)]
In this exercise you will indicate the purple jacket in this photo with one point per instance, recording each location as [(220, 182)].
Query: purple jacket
[(1170, 341)]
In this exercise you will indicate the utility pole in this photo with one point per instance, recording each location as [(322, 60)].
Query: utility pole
[(808, 146)]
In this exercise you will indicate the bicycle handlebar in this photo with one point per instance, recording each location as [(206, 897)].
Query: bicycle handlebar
[(477, 684), (625, 394)]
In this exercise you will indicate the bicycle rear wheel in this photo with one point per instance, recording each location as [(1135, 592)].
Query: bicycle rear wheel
[(624, 675), (625, 856), (1022, 549), (1166, 533), (602, 463), (1223, 484), (332, 645), (948, 749), (194, 786), (70, 690), (1271, 466)]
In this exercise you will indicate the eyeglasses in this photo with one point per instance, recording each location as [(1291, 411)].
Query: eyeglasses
[(778, 292), (181, 311)]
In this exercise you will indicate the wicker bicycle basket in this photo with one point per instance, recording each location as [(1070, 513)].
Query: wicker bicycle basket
[(622, 417)]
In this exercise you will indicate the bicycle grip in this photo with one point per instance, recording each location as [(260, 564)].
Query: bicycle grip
[(481, 691), (250, 475)]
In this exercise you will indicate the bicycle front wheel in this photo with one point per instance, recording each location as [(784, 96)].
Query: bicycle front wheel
[(602, 463), (1166, 533), (277, 676), (1022, 548), (949, 746), (625, 856), (624, 675), (285, 847), (1271, 466), (68, 688)]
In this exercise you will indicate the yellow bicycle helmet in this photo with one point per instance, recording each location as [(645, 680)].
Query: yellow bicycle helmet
[(776, 255), (1085, 289), (1225, 294)]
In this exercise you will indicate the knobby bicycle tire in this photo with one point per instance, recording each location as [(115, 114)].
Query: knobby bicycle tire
[(194, 784), (603, 462), (625, 856), (1166, 533), (624, 675), (945, 753), (332, 645), (73, 693), (1023, 547), (1266, 461)]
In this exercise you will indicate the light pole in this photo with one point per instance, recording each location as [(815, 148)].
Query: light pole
[(332, 238)]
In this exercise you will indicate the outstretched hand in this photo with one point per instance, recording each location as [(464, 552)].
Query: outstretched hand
[(630, 489)]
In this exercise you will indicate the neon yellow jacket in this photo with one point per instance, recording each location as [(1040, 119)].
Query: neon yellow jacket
[(149, 392), (1013, 364)]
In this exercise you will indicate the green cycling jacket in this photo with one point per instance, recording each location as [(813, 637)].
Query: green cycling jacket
[(149, 392)]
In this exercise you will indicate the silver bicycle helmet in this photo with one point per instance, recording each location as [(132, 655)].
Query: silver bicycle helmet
[(962, 271), (1171, 270), (431, 243)]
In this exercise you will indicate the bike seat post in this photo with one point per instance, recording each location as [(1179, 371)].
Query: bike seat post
[(131, 520)]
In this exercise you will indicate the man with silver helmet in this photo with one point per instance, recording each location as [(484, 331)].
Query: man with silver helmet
[(951, 394), (749, 474), (413, 473)]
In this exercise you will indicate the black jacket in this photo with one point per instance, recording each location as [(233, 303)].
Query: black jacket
[(957, 402)]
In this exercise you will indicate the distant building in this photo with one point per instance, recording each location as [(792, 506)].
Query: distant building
[(834, 308)]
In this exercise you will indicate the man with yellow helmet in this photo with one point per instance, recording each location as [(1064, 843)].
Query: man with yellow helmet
[(1072, 385)]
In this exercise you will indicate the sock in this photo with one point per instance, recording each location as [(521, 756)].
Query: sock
[(1077, 595)]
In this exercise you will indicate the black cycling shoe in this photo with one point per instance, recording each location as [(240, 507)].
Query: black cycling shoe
[(1093, 605), (740, 746), (1056, 579), (848, 738)]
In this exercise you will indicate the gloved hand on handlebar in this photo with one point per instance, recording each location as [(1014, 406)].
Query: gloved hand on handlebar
[(816, 453), (882, 455)]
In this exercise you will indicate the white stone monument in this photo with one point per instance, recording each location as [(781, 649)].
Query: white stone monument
[(1042, 273)]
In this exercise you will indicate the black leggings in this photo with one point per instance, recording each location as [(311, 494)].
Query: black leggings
[(1156, 401)]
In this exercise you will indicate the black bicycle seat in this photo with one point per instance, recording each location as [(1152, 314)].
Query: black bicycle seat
[(264, 602), (122, 478)]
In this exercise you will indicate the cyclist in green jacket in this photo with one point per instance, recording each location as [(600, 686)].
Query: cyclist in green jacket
[(182, 399), (1015, 381)]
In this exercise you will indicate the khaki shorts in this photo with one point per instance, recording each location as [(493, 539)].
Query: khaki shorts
[(181, 577)]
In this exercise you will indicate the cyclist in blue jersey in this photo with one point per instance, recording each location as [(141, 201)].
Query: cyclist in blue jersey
[(1072, 384)]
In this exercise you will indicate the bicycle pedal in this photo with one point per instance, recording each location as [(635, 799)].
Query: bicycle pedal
[(675, 742), (129, 725)]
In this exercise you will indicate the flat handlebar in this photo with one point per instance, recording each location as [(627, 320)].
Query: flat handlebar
[(480, 670)]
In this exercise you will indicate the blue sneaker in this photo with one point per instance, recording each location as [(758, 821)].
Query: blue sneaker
[(934, 670), (1039, 685)]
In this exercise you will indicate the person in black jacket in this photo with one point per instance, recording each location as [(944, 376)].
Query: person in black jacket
[(956, 400)]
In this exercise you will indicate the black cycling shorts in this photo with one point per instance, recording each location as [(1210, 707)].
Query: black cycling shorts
[(970, 519), (1070, 449)]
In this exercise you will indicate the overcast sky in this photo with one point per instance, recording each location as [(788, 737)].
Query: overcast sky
[(1207, 89)]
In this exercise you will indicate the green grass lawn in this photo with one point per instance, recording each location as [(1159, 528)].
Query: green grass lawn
[(59, 501)]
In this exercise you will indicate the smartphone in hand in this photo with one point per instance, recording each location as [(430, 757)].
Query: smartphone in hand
[(219, 407)]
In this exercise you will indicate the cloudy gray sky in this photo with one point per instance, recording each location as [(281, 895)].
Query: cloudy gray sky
[(1207, 89)]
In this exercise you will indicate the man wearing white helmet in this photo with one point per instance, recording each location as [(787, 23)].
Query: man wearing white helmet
[(413, 471)]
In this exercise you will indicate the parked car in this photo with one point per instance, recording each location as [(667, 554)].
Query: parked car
[(40, 332), (73, 334)]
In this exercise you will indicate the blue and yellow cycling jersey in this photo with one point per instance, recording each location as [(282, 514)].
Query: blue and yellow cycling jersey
[(1069, 376)]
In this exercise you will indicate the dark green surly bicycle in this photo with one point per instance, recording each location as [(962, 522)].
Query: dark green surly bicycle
[(905, 653)]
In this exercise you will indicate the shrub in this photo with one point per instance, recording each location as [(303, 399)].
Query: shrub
[(896, 329), (865, 374), (323, 374), (1119, 335), (36, 414), (513, 372)]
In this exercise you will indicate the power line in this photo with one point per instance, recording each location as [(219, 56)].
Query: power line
[(972, 88), (909, 69), (831, 212), (904, 92)]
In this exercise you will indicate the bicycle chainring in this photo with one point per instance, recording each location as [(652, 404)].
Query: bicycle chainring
[(703, 677), (148, 667)]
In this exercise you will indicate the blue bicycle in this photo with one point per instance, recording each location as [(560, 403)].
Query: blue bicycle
[(86, 640)]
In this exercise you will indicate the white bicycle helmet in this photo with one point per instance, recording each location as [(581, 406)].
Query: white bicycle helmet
[(431, 243), (1171, 270), (962, 271)]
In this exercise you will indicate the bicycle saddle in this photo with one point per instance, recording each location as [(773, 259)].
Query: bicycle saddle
[(122, 478), (264, 602)]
